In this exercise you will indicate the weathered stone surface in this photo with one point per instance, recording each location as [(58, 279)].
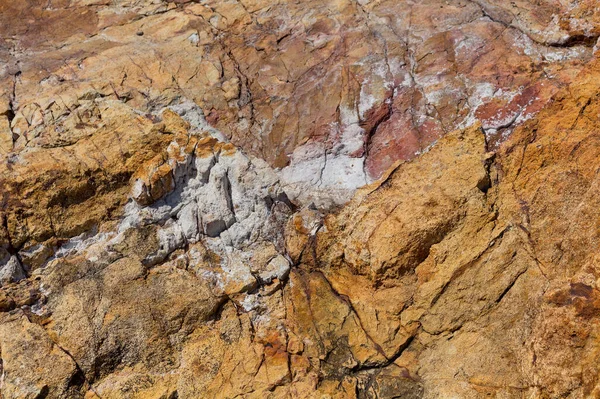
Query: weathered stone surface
[(33, 365), (504, 279), (344, 199), (70, 187), (334, 93)]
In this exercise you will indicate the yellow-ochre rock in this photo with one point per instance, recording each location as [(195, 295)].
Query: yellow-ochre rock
[(343, 199)]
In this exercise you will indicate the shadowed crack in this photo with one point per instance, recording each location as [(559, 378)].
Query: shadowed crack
[(78, 380)]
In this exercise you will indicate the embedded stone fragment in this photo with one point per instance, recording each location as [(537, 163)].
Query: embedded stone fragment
[(12, 271)]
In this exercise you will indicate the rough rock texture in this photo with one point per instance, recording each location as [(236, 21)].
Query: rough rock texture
[(333, 92), (248, 199)]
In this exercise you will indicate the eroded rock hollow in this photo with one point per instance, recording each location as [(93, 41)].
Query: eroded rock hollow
[(362, 199)]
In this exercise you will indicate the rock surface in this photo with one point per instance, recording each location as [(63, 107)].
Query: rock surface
[(332, 92), (345, 199)]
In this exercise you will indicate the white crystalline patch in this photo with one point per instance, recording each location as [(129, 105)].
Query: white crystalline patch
[(526, 44), (523, 117), (313, 167), (214, 202), (468, 45), (136, 215), (194, 115), (170, 237), (556, 55), (12, 271), (224, 199), (492, 125), (213, 277), (250, 303), (336, 177), (380, 69), (397, 66), (407, 81), (328, 176), (131, 217), (82, 242), (498, 122), (188, 220), (277, 267), (308, 151), (482, 93), (305, 166), (38, 309), (367, 101), (426, 81), (138, 188), (194, 38), (261, 318), (353, 139), (348, 116), (436, 96), (343, 172), (236, 269), (255, 304)]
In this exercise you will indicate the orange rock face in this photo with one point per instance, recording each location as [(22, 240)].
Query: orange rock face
[(333, 92), (344, 199)]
